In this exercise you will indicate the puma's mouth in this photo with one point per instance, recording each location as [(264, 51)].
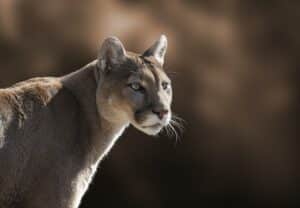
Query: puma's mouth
[(153, 126), (153, 129)]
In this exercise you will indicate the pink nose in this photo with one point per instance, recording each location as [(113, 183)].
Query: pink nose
[(160, 113)]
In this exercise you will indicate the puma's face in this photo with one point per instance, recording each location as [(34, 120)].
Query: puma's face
[(135, 88)]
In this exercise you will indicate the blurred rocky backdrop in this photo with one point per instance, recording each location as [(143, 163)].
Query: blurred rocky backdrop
[(235, 69)]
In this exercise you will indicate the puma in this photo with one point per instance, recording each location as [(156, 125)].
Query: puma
[(55, 131)]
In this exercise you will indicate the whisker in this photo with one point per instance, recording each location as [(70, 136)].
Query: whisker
[(177, 118), (175, 128), (174, 133), (166, 129), (177, 124)]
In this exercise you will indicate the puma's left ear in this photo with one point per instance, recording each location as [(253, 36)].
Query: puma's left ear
[(112, 53), (158, 49)]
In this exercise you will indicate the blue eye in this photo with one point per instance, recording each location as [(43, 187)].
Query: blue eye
[(136, 86)]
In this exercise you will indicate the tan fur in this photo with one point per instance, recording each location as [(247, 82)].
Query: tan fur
[(55, 131), (18, 100)]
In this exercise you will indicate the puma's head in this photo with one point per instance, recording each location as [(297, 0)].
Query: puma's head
[(133, 88)]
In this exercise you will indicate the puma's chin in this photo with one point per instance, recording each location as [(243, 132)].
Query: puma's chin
[(151, 130), (152, 126)]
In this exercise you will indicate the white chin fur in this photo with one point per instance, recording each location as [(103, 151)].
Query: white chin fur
[(151, 131), (151, 120)]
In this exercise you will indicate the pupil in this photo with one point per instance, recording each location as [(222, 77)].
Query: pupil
[(165, 85)]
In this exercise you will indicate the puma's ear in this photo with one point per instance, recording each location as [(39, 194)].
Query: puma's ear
[(158, 49), (112, 53)]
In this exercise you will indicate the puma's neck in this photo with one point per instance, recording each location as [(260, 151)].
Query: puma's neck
[(102, 134)]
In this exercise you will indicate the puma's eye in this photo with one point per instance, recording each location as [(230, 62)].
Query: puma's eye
[(136, 86), (165, 85)]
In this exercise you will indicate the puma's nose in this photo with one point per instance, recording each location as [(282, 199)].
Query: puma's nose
[(160, 113)]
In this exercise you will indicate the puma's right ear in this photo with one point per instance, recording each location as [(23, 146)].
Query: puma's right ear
[(158, 50), (112, 53)]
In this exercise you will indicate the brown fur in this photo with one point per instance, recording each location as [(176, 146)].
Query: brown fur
[(55, 131), (20, 98)]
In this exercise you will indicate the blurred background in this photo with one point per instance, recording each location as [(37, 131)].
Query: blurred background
[(235, 69)]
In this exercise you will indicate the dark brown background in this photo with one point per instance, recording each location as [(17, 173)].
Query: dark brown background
[(235, 68)]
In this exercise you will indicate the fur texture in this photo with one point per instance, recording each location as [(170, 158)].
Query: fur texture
[(55, 131)]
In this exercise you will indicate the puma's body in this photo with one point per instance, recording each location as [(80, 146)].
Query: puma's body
[(53, 134), (54, 137)]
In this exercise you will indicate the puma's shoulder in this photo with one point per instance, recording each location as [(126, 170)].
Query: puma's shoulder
[(40, 90), (19, 101)]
